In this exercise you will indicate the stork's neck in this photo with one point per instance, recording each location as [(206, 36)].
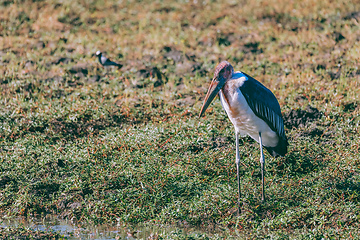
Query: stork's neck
[(231, 89)]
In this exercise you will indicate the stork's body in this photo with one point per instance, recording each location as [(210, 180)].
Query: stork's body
[(241, 115), (252, 109)]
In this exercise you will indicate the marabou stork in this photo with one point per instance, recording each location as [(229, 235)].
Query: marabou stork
[(253, 110)]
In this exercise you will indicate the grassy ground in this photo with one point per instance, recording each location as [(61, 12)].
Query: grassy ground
[(107, 145)]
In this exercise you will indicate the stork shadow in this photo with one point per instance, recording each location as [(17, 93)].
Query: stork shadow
[(349, 189), (296, 163)]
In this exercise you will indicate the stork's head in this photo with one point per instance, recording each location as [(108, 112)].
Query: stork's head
[(223, 73), (98, 53)]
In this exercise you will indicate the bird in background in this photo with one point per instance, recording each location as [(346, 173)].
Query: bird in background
[(105, 61), (253, 110)]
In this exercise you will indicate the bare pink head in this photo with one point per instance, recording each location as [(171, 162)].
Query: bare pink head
[(224, 69), (223, 72)]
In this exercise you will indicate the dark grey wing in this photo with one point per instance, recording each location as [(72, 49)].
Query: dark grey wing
[(108, 62), (264, 104)]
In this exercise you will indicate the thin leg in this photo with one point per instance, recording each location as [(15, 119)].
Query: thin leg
[(237, 171), (262, 161)]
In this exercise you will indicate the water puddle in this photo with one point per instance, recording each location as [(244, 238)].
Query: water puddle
[(72, 231)]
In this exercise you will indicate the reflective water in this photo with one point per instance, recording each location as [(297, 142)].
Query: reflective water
[(72, 231)]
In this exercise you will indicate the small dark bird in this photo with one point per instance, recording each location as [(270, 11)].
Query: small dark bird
[(105, 61), (253, 110)]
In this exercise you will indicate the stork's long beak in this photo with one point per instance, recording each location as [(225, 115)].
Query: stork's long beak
[(215, 87)]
